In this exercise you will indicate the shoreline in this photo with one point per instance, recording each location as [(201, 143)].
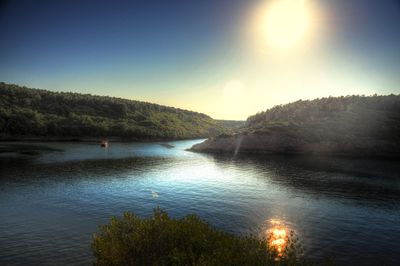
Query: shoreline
[(279, 145), (88, 139), (395, 157)]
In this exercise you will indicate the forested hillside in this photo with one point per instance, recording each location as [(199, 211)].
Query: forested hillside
[(329, 108), (232, 124), (42, 113), (352, 125)]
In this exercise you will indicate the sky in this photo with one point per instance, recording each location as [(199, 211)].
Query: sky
[(227, 58)]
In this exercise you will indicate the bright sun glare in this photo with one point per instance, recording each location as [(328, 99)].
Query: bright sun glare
[(285, 22), (277, 235)]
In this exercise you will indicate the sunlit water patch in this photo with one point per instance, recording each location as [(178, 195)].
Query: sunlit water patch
[(277, 235)]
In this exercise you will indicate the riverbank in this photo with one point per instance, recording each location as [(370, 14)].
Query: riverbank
[(353, 126), (282, 144), (86, 139)]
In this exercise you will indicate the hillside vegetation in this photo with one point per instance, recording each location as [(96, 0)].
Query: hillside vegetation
[(352, 125), (232, 124), (42, 113)]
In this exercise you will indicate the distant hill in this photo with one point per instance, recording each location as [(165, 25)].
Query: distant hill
[(232, 124), (349, 126), (26, 112)]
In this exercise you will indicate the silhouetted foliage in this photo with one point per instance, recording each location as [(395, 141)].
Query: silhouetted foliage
[(161, 240), (32, 112)]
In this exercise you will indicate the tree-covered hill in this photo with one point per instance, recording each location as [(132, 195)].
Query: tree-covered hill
[(231, 124), (42, 113), (351, 125)]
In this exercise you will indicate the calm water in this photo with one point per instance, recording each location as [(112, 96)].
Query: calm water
[(52, 203)]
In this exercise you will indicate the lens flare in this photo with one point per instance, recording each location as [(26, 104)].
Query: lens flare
[(285, 22)]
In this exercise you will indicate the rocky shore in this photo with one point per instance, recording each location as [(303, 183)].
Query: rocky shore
[(275, 143)]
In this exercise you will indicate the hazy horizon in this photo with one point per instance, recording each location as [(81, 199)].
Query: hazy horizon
[(218, 58)]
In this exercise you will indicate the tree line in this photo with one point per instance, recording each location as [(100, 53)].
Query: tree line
[(34, 112), (311, 110), (351, 118)]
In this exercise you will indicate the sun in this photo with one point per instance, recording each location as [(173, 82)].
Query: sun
[(285, 22)]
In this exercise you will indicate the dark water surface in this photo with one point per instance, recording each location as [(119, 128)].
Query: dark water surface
[(51, 202)]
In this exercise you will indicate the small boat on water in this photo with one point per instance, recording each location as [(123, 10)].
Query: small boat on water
[(104, 144)]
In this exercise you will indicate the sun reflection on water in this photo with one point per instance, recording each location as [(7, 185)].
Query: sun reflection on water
[(277, 235)]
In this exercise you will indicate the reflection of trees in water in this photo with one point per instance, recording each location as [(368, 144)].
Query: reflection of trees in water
[(25, 168), (360, 180)]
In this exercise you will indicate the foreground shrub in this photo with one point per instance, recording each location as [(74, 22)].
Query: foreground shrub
[(162, 240)]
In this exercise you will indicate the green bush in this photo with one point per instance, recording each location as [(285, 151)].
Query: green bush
[(162, 240)]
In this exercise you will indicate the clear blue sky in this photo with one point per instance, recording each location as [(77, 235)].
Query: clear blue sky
[(199, 55)]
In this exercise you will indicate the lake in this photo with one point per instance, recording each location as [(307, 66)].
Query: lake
[(52, 201)]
